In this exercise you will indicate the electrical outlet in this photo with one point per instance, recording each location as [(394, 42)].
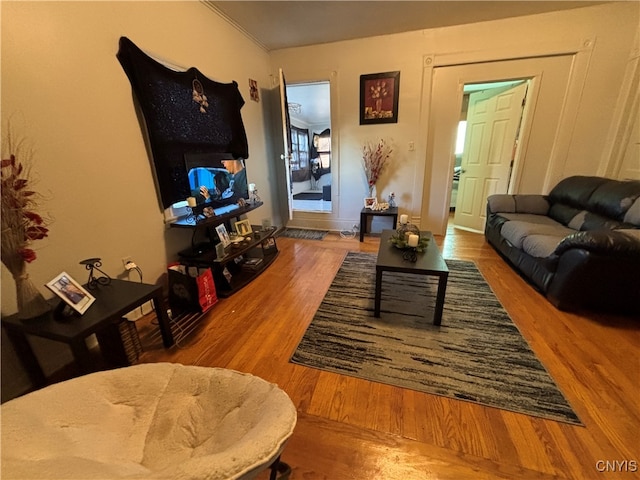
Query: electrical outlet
[(125, 260)]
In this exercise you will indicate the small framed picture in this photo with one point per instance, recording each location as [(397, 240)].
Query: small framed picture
[(71, 292), (221, 230), (369, 202), (243, 227), (269, 243), (253, 90)]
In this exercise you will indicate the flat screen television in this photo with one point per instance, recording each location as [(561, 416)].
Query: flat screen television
[(215, 179)]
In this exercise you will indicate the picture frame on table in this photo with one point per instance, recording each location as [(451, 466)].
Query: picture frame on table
[(369, 202), (379, 98), (243, 227), (223, 235), (71, 292)]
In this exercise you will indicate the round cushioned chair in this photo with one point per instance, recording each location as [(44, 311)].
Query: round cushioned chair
[(149, 421)]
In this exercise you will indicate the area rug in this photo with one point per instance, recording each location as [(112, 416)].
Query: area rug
[(477, 355), (308, 196), (303, 233)]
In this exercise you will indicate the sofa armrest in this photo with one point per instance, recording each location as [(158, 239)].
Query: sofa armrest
[(605, 242), (504, 203)]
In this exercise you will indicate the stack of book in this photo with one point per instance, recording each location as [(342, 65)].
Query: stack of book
[(252, 264)]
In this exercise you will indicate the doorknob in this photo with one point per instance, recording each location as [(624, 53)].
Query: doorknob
[(462, 170)]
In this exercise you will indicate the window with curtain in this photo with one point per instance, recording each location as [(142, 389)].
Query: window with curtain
[(299, 149)]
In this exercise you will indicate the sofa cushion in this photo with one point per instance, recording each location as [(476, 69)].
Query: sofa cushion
[(541, 246), (633, 214), (562, 213), (503, 203), (575, 191), (529, 218), (614, 198), (517, 231), (586, 220)]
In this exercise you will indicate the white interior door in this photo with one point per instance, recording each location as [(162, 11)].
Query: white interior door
[(286, 140), (493, 120)]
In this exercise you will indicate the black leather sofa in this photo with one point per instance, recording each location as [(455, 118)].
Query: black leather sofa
[(579, 245)]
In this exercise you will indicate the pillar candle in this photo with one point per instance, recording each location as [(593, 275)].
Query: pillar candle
[(413, 240), (252, 187), (404, 218), (191, 201)]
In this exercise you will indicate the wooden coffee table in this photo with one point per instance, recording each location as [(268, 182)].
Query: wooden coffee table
[(430, 262)]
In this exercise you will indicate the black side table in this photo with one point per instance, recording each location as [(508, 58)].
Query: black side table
[(367, 212), (112, 302)]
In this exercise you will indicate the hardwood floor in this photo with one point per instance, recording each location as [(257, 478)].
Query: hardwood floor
[(350, 428)]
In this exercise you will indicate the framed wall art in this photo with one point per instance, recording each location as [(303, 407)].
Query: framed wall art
[(379, 98), (71, 292)]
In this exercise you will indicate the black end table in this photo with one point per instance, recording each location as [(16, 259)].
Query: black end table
[(429, 262), (367, 212), (113, 301)]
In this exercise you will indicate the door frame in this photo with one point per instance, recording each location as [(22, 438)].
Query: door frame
[(433, 201), (324, 219)]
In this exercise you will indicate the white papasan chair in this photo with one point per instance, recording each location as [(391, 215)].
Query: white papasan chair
[(149, 421)]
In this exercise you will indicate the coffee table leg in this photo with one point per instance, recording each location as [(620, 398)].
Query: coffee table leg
[(376, 311), (442, 288)]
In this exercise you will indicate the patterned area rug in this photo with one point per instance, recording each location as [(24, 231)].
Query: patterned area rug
[(303, 233), (477, 355)]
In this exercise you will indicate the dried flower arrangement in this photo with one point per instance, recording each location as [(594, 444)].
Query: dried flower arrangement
[(21, 225), (375, 157)]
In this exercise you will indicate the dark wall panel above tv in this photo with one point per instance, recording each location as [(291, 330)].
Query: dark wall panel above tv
[(184, 112)]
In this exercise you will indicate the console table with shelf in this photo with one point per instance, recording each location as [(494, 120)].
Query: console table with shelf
[(241, 262)]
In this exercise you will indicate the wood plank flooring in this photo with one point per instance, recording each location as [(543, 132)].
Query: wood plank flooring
[(350, 428)]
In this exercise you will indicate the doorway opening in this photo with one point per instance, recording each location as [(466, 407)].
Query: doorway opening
[(486, 147), (309, 109)]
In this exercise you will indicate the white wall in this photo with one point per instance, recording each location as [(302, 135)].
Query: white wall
[(66, 94), (609, 29)]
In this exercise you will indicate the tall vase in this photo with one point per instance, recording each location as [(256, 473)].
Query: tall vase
[(372, 190), (31, 303)]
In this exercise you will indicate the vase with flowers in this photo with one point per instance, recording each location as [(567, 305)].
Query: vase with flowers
[(21, 226), (375, 157)]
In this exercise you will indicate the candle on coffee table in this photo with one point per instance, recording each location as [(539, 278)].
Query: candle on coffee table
[(413, 240)]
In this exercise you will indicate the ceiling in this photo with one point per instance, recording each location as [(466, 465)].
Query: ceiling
[(276, 25)]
